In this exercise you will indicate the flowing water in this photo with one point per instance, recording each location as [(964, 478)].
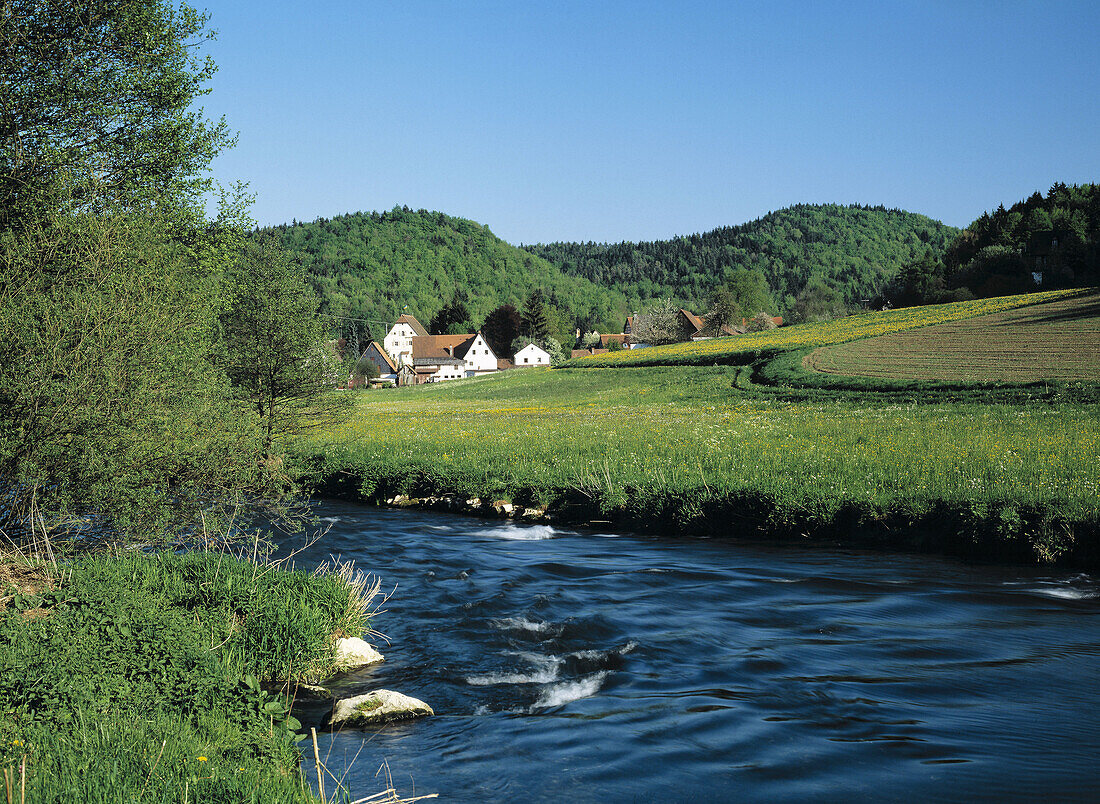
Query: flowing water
[(588, 667)]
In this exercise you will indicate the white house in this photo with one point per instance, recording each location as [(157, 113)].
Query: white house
[(448, 357), (398, 341), (532, 355)]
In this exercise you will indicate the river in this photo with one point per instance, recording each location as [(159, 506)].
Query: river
[(578, 667)]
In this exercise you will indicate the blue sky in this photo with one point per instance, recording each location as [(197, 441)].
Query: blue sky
[(612, 121)]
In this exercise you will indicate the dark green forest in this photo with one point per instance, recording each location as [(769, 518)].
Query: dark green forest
[(1057, 236), (855, 249), (372, 265)]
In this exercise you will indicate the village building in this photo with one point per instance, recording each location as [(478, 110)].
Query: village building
[(436, 358), (387, 369), (532, 355), (398, 341)]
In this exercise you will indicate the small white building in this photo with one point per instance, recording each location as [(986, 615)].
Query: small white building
[(398, 341), (532, 355)]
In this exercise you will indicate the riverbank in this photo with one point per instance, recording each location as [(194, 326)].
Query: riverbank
[(162, 677), (1001, 472)]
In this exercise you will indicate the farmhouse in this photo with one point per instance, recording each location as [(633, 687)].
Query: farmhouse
[(398, 340), (532, 355), (436, 358)]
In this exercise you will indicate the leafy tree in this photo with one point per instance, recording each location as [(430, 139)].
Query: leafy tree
[(103, 251), (761, 322), (590, 340), (658, 324), (453, 318), (276, 353), (724, 310), (819, 301), (97, 110)]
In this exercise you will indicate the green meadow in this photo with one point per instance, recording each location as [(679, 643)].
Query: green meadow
[(709, 450)]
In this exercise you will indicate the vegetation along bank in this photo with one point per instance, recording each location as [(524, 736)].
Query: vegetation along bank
[(738, 437), (162, 677)]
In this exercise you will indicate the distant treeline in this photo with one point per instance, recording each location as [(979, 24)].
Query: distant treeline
[(855, 249)]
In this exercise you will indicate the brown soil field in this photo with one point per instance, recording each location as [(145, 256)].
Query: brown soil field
[(1058, 340)]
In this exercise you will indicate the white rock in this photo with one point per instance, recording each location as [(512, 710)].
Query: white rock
[(377, 707), (354, 652)]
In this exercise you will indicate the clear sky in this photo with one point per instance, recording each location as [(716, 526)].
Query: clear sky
[(634, 120)]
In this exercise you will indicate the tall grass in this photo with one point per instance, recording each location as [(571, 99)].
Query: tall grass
[(679, 448), (157, 677)]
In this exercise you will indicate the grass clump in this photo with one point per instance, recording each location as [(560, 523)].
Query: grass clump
[(157, 677)]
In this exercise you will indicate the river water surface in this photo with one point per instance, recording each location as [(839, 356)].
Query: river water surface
[(584, 667)]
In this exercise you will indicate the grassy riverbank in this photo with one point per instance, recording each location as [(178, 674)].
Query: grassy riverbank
[(143, 677), (707, 450)]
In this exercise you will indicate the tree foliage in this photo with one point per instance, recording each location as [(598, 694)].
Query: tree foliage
[(659, 323), (97, 108), (501, 327), (275, 351), (113, 389), (371, 265), (856, 248)]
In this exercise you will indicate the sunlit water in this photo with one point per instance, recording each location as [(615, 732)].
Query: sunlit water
[(587, 667)]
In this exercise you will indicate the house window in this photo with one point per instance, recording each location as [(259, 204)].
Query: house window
[(525, 360)]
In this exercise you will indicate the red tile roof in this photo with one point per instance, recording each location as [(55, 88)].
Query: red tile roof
[(443, 348)]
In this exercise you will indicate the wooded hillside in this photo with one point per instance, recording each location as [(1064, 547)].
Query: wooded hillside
[(371, 265), (855, 249)]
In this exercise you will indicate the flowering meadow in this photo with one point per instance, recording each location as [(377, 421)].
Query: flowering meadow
[(680, 450)]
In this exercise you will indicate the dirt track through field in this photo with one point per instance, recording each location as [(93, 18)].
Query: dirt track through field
[(1058, 340)]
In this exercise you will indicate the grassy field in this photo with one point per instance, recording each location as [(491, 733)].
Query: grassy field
[(687, 450), (1056, 340), (146, 677)]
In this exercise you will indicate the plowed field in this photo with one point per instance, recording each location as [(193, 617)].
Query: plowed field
[(1058, 340)]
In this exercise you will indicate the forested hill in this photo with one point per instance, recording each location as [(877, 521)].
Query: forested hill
[(371, 265), (855, 248)]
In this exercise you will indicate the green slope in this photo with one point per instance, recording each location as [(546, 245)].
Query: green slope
[(371, 265), (856, 248)]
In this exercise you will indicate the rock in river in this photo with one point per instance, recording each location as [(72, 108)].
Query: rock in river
[(354, 653), (376, 708)]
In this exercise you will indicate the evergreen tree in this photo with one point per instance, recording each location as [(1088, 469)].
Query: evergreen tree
[(536, 319), (501, 327)]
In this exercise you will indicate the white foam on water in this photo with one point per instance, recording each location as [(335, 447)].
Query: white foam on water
[(521, 624), (332, 519), (569, 691), (546, 670), (1066, 594), (523, 533)]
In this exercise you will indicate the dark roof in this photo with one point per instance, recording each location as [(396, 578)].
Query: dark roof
[(418, 328), (620, 337), (693, 320), (382, 353)]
